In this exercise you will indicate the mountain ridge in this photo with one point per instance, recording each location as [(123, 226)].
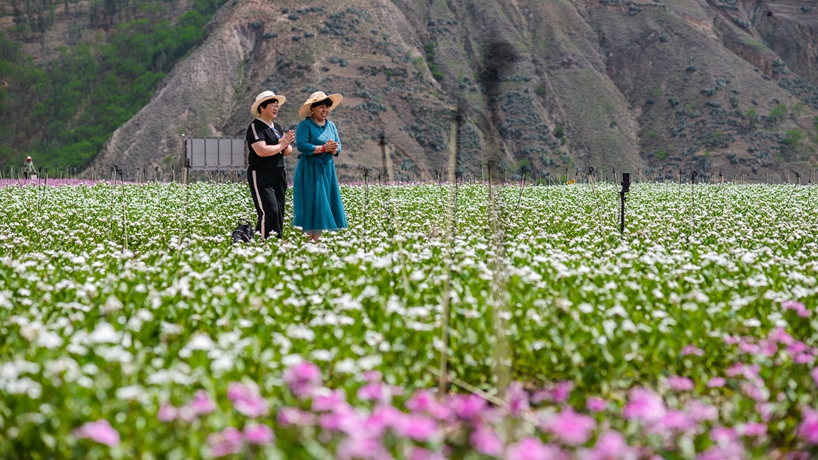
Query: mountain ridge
[(544, 87)]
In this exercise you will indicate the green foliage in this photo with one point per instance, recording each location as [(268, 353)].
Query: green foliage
[(778, 113), (540, 91), (430, 56), (652, 135), (559, 131), (793, 137), (88, 91), (661, 154), (799, 109)]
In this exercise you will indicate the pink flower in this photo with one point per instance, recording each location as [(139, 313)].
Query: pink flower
[(595, 404), (752, 429), (610, 445), (797, 348), (542, 395), (692, 350), (729, 450), (259, 434), (372, 376), (99, 431), (570, 427), (755, 392), (167, 413), (815, 375), (749, 348), (303, 378), (327, 401), (808, 429), (292, 416), (343, 418), (247, 401), (798, 307), (227, 442), (765, 410), (466, 407), (723, 435), (421, 401), (357, 447), (676, 420), (716, 382), (563, 391), (700, 411), (485, 441), (417, 427), (202, 404), (375, 391), (532, 449), (768, 347), (517, 399), (680, 383), (644, 405), (804, 358), (380, 419), (732, 340), (781, 336)]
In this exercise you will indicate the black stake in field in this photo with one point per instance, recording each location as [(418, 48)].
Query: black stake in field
[(124, 214), (626, 187)]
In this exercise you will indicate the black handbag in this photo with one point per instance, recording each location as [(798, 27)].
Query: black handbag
[(243, 233)]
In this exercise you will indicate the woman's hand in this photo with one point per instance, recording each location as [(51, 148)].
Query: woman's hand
[(331, 147), (287, 139)]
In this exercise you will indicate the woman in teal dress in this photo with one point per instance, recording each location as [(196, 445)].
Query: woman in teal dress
[(317, 202)]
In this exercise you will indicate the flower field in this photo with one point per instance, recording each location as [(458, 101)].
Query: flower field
[(132, 327)]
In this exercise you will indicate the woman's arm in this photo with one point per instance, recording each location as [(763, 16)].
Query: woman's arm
[(337, 139), (302, 139), (263, 149)]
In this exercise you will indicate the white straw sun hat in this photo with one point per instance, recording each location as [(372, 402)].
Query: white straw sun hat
[(266, 96), (319, 96)]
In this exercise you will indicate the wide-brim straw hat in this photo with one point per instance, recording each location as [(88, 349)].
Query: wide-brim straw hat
[(266, 96), (319, 96)]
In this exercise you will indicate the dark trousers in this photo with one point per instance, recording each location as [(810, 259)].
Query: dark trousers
[(268, 189)]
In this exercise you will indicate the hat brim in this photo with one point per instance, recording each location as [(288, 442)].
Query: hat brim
[(305, 111), (254, 109)]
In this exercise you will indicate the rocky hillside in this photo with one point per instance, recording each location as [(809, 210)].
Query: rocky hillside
[(558, 86)]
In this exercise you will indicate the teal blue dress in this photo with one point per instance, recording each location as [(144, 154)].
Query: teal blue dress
[(317, 202)]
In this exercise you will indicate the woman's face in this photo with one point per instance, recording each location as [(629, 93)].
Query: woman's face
[(320, 113), (271, 110)]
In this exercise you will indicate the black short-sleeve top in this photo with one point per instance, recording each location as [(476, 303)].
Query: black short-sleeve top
[(259, 130)]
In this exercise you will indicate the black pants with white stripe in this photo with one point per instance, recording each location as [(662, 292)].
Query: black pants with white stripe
[(268, 188)]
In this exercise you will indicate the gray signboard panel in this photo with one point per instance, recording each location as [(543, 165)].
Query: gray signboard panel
[(212, 153)]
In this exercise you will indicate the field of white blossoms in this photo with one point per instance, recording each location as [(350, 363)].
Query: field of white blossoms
[(132, 327)]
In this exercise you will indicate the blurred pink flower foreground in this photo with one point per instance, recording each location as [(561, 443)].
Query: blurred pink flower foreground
[(100, 431)]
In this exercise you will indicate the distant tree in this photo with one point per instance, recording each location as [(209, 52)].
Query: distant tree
[(799, 108), (559, 132), (778, 114), (751, 117)]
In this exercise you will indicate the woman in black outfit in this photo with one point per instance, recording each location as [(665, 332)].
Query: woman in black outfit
[(267, 145)]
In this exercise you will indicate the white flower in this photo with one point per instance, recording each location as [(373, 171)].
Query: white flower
[(300, 332), (49, 339), (346, 366), (104, 333), (200, 341)]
